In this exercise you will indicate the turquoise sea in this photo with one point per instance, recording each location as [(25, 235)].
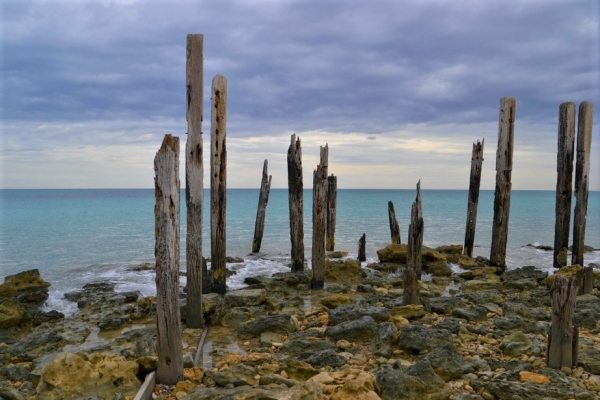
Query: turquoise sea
[(73, 236)]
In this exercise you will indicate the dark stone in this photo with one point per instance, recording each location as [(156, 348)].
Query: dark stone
[(420, 339), (238, 375), (304, 346), (382, 343), (484, 296), (444, 305), (109, 323), (15, 373), (361, 288), (392, 384), (510, 323), (46, 316), (528, 272), (422, 370), (277, 380), (39, 342), (345, 313), (323, 359), (586, 318), (293, 278), (447, 362), (362, 329), (278, 323), (450, 324), (474, 313)]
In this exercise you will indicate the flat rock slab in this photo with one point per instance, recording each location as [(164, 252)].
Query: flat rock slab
[(279, 323)]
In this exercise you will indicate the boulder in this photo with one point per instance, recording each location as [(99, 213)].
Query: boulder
[(422, 370), (474, 313), (447, 362), (323, 358), (24, 282), (245, 297), (279, 323), (516, 344), (238, 375), (336, 300), (528, 272), (420, 339), (477, 285), (393, 384), (394, 253), (439, 269), (347, 271), (408, 311), (382, 342), (466, 262), (11, 313), (295, 347), (345, 313), (570, 271), (450, 249), (360, 330)]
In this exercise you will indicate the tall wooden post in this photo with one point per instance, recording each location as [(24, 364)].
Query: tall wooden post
[(504, 157), (562, 337), (414, 261), (194, 180), (263, 199), (564, 182), (474, 183), (394, 226), (166, 250), (582, 180), (218, 183), (319, 221), (331, 211), (362, 244), (296, 202)]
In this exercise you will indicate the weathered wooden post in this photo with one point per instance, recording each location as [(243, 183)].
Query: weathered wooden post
[(504, 157), (414, 262), (166, 218), (562, 337), (331, 211), (564, 182), (582, 181), (394, 226), (296, 202), (319, 221), (194, 180), (362, 244), (218, 183), (585, 280), (474, 184), (263, 199)]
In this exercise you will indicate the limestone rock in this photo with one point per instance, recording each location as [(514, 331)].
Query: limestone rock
[(347, 271), (382, 342), (245, 297), (447, 362), (11, 313), (23, 282), (395, 253), (345, 313), (420, 339), (450, 249), (336, 300), (408, 311), (360, 330), (516, 344), (279, 323)]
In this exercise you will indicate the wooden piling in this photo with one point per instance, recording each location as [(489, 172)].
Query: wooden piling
[(166, 216), (560, 351), (362, 244), (582, 181), (394, 226), (585, 280), (331, 211), (504, 157), (263, 199), (474, 184), (194, 180), (564, 182), (296, 203), (218, 184), (414, 259), (319, 221)]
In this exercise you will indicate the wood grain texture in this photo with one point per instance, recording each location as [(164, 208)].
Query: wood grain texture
[(263, 200), (394, 226), (331, 211), (218, 184), (414, 259), (296, 203), (362, 244), (319, 221), (504, 161), (474, 184), (166, 215), (194, 179), (560, 338)]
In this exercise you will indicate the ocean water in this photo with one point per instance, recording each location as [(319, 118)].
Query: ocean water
[(77, 236)]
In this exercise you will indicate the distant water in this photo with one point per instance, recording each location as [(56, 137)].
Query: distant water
[(75, 236)]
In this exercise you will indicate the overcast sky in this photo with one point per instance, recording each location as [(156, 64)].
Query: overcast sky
[(398, 89)]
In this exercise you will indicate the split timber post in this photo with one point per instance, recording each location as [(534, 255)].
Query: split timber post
[(296, 202), (414, 261), (166, 217), (585, 280), (263, 199), (218, 183), (362, 244), (319, 221), (394, 226), (582, 181), (504, 157), (563, 336), (564, 182), (474, 184), (331, 211), (194, 180)]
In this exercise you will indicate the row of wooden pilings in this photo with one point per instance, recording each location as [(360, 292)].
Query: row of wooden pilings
[(199, 280)]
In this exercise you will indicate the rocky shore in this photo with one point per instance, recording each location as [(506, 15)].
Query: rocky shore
[(477, 335)]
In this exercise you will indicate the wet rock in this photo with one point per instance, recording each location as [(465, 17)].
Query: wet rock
[(382, 342), (11, 313), (395, 253), (26, 282), (245, 297), (450, 249), (522, 284), (352, 312), (336, 300), (528, 272), (337, 254), (347, 271), (293, 278), (516, 308), (279, 323), (420, 339), (360, 330), (474, 313), (447, 362), (439, 269), (323, 358), (37, 343), (516, 344), (110, 323)]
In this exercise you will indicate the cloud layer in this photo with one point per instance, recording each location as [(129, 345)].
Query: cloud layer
[(399, 90)]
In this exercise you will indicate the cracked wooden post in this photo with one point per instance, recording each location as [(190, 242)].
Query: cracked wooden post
[(331, 211), (394, 226), (194, 180), (585, 280), (582, 180), (414, 261), (474, 184), (562, 337), (362, 244), (319, 221), (296, 203), (218, 184), (166, 250), (504, 157), (564, 182), (263, 199)]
